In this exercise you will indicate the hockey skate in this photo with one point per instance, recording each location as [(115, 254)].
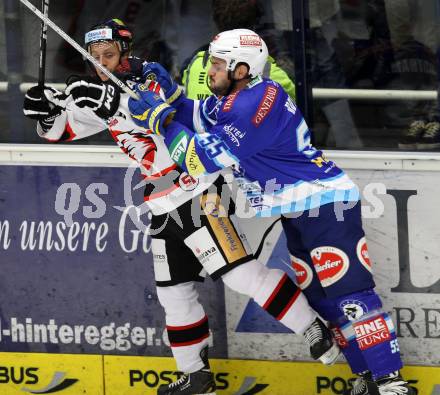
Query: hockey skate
[(363, 385), (394, 384), (197, 383), (321, 342), (200, 383), (391, 384)]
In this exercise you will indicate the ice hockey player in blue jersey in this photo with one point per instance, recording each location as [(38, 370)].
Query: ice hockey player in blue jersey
[(251, 124)]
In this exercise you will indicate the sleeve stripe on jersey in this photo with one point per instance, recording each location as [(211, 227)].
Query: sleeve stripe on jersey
[(197, 121), (206, 115)]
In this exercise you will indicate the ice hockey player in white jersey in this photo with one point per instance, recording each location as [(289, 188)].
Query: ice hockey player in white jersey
[(189, 246)]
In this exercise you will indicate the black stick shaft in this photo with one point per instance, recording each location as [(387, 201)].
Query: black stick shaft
[(43, 41)]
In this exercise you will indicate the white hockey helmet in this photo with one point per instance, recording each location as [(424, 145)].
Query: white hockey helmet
[(240, 46)]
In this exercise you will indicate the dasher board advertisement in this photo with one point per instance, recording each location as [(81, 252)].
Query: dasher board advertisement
[(75, 253)]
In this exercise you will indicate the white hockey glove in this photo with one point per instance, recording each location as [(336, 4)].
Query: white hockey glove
[(102, 98)]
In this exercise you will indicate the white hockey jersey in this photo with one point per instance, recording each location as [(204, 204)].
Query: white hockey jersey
[(167, 185)]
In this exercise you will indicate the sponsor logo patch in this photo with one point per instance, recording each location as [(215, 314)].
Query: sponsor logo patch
[(187, 183), (234, 134), (178, 147), (226, 235), (229, 102), (250, 40), (159, 257), (98, 34), (192, 160), (339, 337), (204, 255), (362, 253), (265, 105), (303, 272), (371, 332), (330, 263), (353, 309)]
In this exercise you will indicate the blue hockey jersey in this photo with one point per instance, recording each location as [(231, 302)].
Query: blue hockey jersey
[(259, 131)]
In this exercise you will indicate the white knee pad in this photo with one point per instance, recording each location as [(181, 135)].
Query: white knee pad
[(265, 286), (180, 303), (253, 279)]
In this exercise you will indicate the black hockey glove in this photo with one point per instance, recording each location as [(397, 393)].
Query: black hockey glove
[(42, 102), (101, 97)]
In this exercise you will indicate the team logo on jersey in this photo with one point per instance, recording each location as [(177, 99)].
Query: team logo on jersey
[(362, 253), (250, 40), (353, 309), (303, 272), (266, 105), (187, 183), (330, 263), (372, 332)]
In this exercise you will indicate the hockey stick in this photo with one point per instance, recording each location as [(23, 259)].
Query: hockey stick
[(43, 41), (80, 49)]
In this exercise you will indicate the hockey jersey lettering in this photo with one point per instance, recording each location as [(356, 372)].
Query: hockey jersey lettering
[(265, 106), (251, 40), (229, 102), (339, 337), (372, 332)]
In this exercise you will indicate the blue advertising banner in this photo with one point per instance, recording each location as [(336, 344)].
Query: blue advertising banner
[(77, 271)]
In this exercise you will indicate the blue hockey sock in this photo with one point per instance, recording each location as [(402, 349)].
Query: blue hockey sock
[(377, 341), (346, 339), (364, 330)]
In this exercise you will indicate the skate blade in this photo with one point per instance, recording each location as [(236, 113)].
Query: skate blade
[(330, 357)]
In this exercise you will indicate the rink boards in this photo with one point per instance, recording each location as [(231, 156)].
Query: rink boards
[(123, 375), (88, 288)]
